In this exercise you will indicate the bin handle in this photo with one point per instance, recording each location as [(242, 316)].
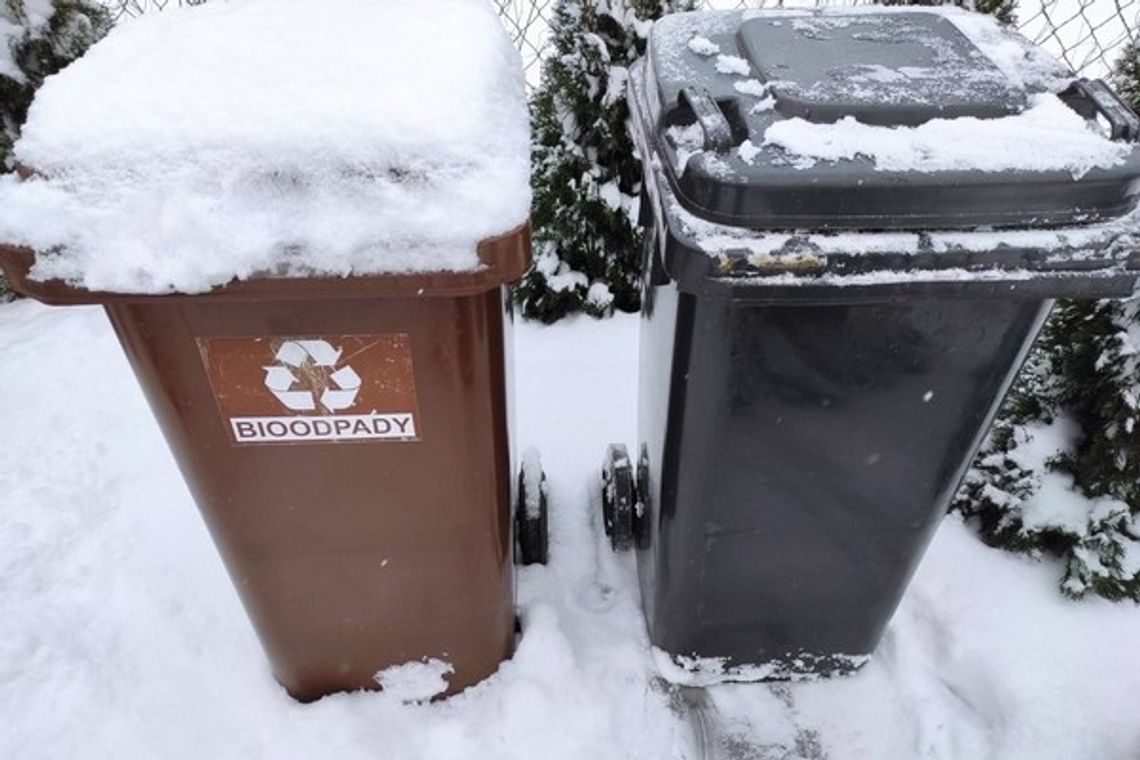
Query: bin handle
[(1090, 98), (714, 125), (652, 267)]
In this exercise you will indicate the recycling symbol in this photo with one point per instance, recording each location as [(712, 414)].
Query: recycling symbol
[(309, 364)]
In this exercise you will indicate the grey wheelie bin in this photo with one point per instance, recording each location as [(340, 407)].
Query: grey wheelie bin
[(856, 224)]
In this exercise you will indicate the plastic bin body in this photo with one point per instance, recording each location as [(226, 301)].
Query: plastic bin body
[(800, 458), (349, 556), (825, 343)]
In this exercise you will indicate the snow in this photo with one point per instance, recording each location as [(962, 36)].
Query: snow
[(121, 636), (38, 12), (358, 138), (9, 32), (616, 82), (712, 671), (559, 276), (677, 29), (981, 661), (954, 68), (877, 73), (1042, 136), (415, 681), (703, 46), (1047, 136), (36, 15), (767, 104), (1023, 64), (747, 151), (753, 87), (689, 140), (599, 295), (731, 64), (611, 195), (532, 482), (1054, 504)]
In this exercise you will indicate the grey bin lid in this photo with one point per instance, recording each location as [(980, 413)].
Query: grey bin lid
[(882, 69), (886, 70)]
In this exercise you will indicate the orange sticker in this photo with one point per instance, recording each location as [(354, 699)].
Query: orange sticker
[(320, 389)]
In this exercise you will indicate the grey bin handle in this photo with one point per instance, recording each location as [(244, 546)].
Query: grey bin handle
[(1090, 98), (714, 125)]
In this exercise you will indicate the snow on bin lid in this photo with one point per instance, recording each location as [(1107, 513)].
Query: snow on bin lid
[(885, 69), (875, 118), (292, 137)]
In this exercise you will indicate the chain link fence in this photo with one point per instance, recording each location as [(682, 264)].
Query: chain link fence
[(124, 9), (1088, 35)]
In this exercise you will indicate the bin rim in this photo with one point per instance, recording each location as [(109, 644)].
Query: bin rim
[(802, 271), (505, 259), (806, 275)]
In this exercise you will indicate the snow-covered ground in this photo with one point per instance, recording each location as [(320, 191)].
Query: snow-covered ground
[(120, 636)]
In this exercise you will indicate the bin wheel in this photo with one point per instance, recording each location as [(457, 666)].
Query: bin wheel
[(531, 514), (618, 497)]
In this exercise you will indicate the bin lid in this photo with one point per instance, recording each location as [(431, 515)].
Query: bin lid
[(504, 258), (881, 119), (891, 70), (275, 139)]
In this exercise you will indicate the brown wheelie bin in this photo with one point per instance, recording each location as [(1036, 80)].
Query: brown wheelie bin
[(348, 443)]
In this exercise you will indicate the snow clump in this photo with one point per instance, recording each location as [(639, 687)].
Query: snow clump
[(703, 46)]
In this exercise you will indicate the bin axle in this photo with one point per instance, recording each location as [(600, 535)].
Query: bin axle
[(625, 499)]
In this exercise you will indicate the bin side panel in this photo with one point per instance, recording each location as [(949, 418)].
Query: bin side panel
[(821, 446), (664, 346), (352, 556)]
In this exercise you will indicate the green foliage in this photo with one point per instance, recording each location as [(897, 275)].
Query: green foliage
[(1127, 78), (585, 178), (1096, 351), (1101, 366), (1004, 476), (38, 50), (1103, 561), (1085, 370)]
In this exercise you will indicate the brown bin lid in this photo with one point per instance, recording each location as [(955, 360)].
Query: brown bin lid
[(505, 257)]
